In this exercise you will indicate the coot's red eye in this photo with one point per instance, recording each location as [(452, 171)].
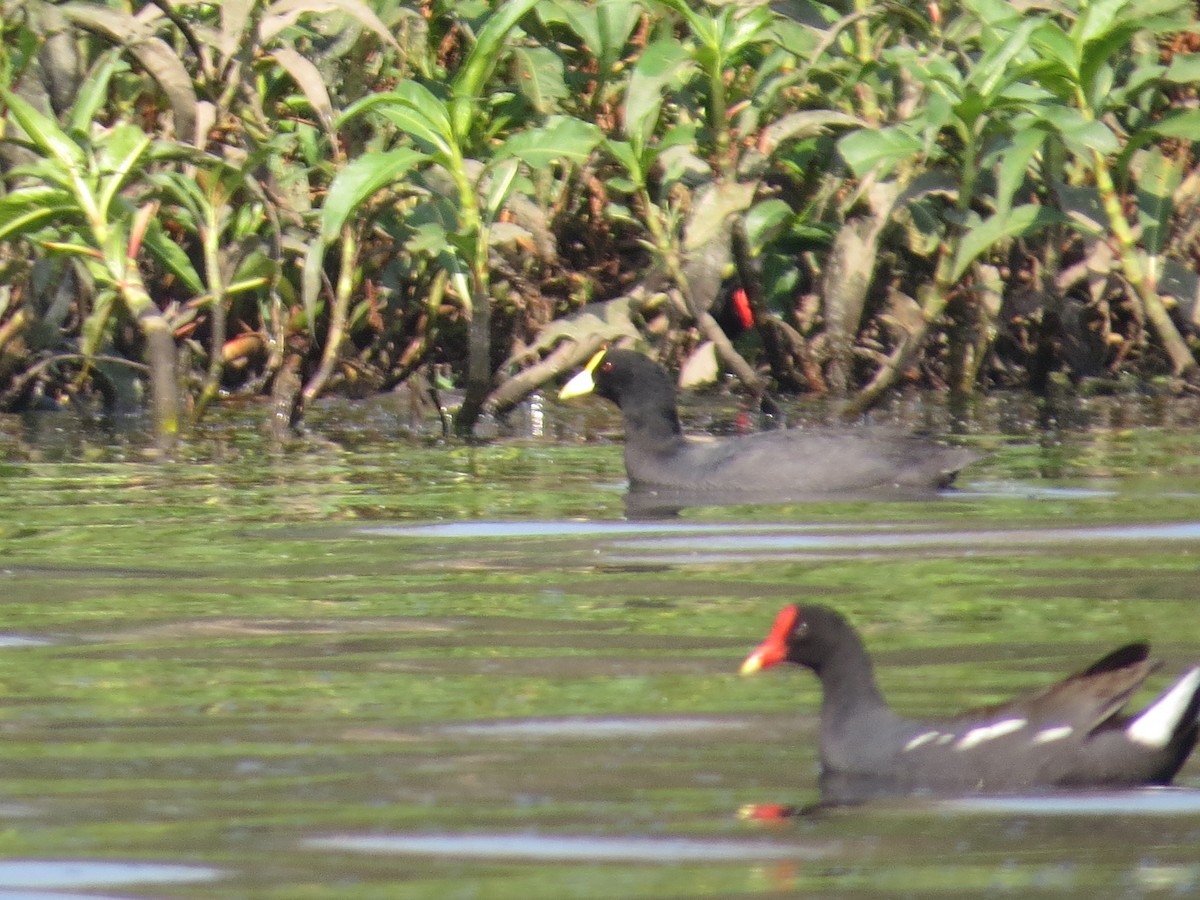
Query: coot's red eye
[(606, 366)]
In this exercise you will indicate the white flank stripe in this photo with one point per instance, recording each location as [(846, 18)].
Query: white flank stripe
[(977, 736), (1046, 735), (920, 739), (945, 739), (1158, 722)]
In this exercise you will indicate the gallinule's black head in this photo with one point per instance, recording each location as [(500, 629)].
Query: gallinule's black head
[(1072, 734), (776, 465)]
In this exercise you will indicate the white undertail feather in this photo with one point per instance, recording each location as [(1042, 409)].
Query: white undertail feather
[(921, 739), (977, 736), (1159, 722), (1047, 735)]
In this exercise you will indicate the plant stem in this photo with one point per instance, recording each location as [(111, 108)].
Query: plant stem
[(216, 308), (1183, 363), (336, 336)]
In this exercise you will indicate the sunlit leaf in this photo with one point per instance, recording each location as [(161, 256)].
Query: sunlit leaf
[(24, 211), (540, 77), (1183, 123), (503, 177), (562, 138), (660, 64), (310, 81), (93, 93), (122, 149), (803, 124), (153, 54), (173, 258), (1016, 154), (1081, 134), (43, 131), (766, 220), (1184, 68), (281, 14), (1019, 221), (488, 48), (358, 182), (885, 148), (1055, 47), (235, 15), (1156, 188), (416, 111)]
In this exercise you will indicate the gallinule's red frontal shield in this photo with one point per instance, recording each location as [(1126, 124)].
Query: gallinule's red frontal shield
[(774, 464), (1070, 735)]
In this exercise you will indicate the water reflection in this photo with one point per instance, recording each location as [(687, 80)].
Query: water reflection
[(1152, 801), (589, 729), (589, 848), (36, 874)]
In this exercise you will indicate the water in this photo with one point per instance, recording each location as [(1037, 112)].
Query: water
[(363, 665)]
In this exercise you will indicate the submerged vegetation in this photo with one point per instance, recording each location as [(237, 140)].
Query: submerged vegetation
[(292, 198)]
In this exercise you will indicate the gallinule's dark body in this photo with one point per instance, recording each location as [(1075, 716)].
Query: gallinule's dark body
[(1070, 735), (780, 463)]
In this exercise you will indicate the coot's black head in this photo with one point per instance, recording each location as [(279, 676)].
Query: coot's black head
[(807, 636), (626, 378)]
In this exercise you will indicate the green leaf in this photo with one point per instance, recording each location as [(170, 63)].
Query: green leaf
[(167, 251), (358, 182), (43, 131), (428, 239), (415, 110), (1098, 19), (309, 79), (766, 220), (1056, 49), (93, 93), (155, 56), (1156, 187), (994, 13), (615, 21), (1081, 134), (119, 152), (1182, 123), (1015, 157), (561, 138), (488, 48), (997, 66), (623, 153), (885, 148), (660, 64), (504, 175), (540, 78), (25, 210), (1184, 68), (1021, 220)]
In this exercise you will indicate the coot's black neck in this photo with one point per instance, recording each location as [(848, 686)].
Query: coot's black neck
[(653, 425)]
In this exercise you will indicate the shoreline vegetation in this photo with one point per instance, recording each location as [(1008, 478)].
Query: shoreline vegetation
[(292, 199)]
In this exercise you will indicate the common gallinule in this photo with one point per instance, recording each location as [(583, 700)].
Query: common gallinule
[(1070, 735), (779, 463)]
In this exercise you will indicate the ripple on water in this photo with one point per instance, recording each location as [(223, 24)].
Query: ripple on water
[(570, 529), (590, 728), (17, 874), (585, 848), (16, 640), (1146, 801)]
